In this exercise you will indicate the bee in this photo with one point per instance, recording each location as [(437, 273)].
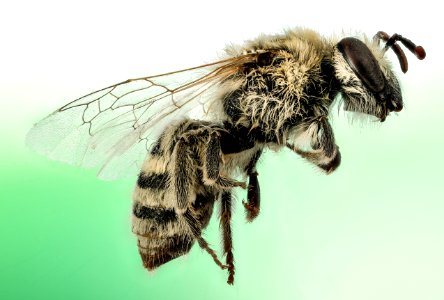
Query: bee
[(194, 135)]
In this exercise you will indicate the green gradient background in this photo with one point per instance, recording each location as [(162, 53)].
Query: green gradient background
[(372, 230)]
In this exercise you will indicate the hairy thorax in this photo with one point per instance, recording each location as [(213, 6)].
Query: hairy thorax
[(284, 88)]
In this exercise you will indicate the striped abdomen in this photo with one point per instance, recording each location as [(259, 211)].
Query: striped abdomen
[(162, 233)]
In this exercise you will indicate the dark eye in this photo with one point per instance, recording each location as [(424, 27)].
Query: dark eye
[(363, 63)]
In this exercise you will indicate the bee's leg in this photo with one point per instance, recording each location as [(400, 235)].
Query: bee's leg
[(325, 152), (225, 224), (196, 230), (252, 207), (183, 184), (328, 164), (182, 179), (213, 160)]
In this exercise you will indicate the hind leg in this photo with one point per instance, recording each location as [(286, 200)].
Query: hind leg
[(184, 181), (225, 224), (195, 228), (212, 165)]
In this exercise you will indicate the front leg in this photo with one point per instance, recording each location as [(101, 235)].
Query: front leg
[(325, 153), (328, 164)]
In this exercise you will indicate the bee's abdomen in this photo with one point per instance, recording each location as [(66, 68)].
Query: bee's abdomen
[(167, 249), (162, 232), (159, 236), (159, 215), (153, 181)]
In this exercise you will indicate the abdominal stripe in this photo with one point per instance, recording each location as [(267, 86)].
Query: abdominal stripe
[(153, 181), (157, 214)]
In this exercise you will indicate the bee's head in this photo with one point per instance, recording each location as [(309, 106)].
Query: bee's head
[(368, 85)]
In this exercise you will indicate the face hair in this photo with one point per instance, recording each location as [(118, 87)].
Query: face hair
[(272, 92)]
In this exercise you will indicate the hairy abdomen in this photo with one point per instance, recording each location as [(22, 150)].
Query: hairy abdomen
[(161, 232)]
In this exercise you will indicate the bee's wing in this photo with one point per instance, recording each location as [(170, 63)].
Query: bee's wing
[(114, 127)]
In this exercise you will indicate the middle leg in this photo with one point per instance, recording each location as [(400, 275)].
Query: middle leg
[(252, 206)]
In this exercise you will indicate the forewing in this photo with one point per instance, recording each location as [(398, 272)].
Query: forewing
[(113, 128)]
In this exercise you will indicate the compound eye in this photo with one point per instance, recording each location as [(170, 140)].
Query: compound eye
[(363, 63)]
